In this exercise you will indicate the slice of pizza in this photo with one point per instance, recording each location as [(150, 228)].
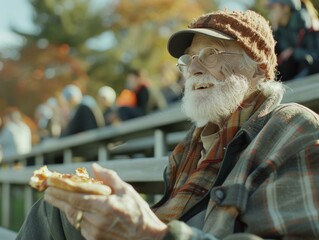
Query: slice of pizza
[(80, 182)]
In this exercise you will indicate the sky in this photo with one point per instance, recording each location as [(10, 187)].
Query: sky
[(234, 4), (18, 14)]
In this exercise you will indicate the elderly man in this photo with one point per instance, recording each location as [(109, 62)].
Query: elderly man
[(248, 169)]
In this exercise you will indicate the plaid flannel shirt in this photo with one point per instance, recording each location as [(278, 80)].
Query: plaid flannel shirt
[(268, 181)]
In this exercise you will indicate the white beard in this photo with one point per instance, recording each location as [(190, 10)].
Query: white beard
[(216, 103)]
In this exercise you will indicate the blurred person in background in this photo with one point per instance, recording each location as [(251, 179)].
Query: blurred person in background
[(296, 30), (48, 122), (132, 101), (171, 83), (156, 101), (60, 113), (139, 97), (15, 135), (84, 115), (173, 90), (106, 98), (84, 111), (43, 115)]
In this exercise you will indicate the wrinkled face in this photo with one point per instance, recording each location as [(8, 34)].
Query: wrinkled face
[(212, 94)]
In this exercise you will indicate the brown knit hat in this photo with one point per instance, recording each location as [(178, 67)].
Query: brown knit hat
[(249, 29)]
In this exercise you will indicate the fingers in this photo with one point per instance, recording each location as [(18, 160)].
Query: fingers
[(110, 178), (91, 225), (104, 205), (71, 213), (117, 216), (119, 187), (81, 201), (93, 218), (53, 198)]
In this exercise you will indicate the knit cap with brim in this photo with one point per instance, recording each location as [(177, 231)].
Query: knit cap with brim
[(249, 29)]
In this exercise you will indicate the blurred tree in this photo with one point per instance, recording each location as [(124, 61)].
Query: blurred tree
[(66, 22), (260, 6), (316, 4), (53, 56), (38, 75)]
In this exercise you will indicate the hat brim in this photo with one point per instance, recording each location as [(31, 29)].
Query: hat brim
[(180, 41)]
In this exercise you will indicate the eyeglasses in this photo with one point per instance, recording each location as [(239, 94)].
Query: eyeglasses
[(208, 57)]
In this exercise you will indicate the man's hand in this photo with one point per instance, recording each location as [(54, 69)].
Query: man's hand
[(122, 215)]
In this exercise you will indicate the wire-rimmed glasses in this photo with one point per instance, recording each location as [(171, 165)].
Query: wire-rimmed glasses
[(208, 57)]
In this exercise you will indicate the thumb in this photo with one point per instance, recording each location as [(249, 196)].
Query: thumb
[(109, 178)]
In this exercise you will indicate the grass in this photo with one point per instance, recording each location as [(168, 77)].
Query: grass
[(16, 207)]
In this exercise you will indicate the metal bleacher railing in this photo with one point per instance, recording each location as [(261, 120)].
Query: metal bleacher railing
[(137, 150)]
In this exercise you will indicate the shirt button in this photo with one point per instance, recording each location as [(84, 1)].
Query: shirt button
[(219, 194)]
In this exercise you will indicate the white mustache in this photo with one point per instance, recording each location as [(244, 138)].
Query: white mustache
[(203, 80)]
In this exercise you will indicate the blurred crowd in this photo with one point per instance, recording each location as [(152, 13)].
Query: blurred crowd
[(73, 111), (16, 136), (295, 26)]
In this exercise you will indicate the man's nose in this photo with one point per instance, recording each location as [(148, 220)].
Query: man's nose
[(195, 68)]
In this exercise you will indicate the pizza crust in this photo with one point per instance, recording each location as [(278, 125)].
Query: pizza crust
[(78, 186), (80, 182)]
